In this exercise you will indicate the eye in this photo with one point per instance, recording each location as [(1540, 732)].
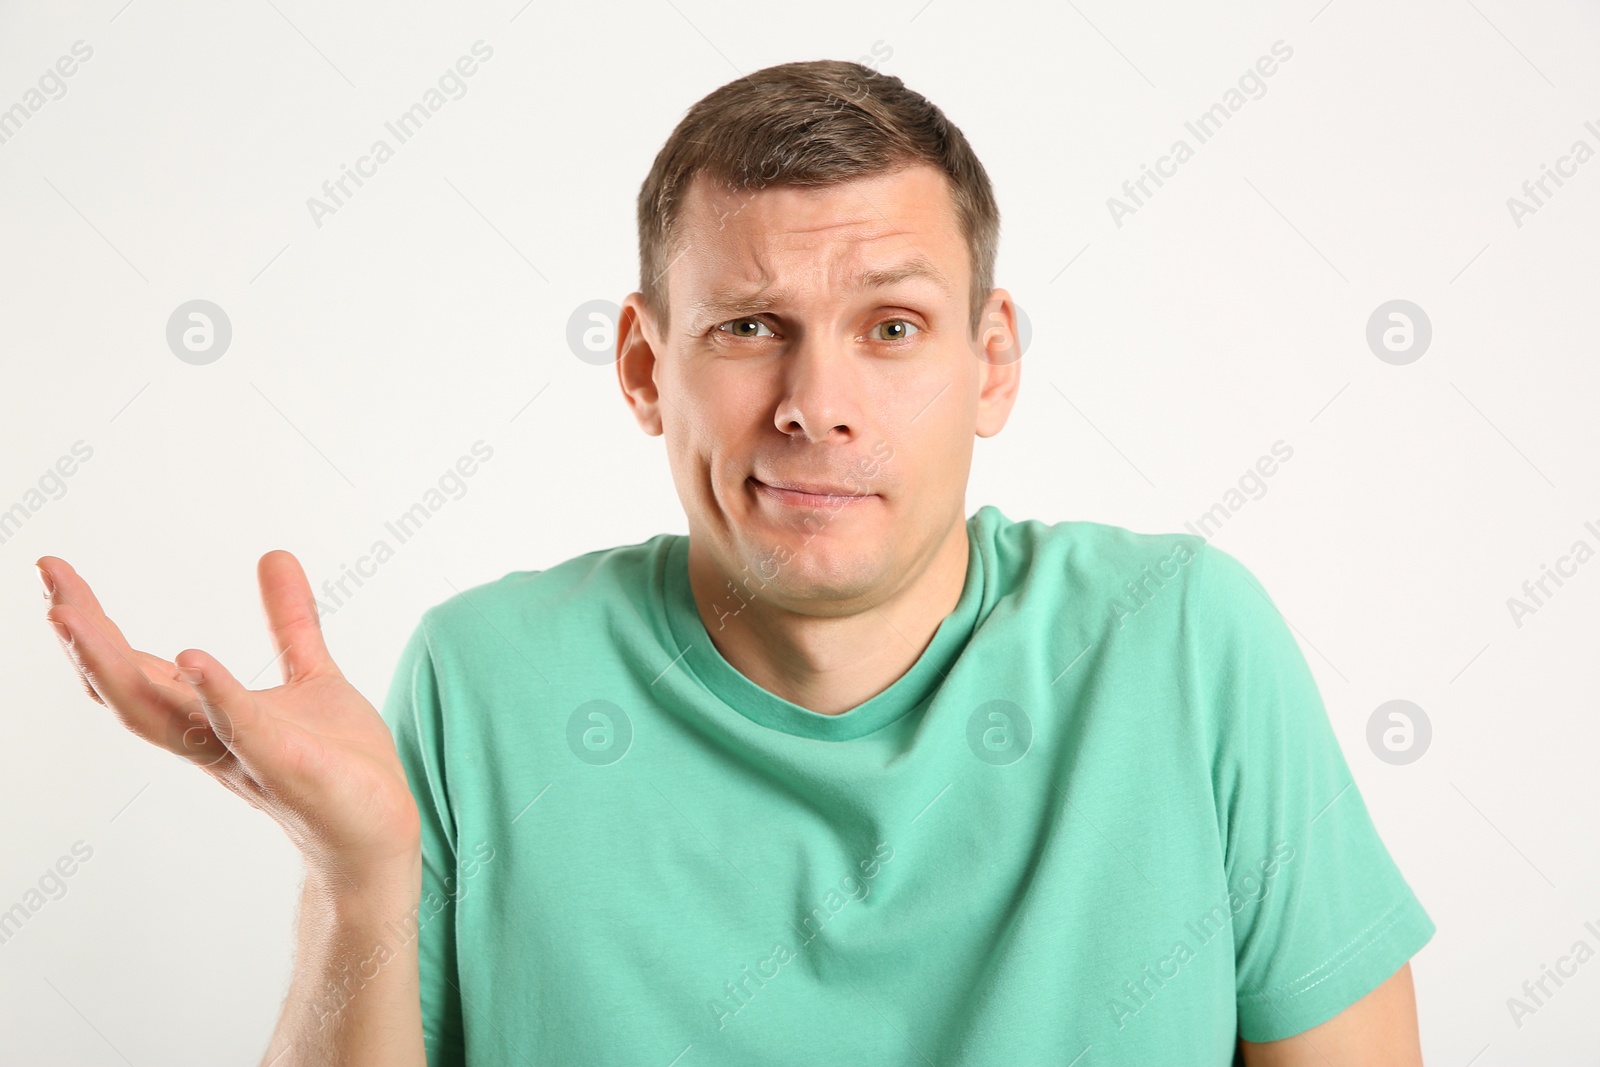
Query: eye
[(745, 322), (905, 329)]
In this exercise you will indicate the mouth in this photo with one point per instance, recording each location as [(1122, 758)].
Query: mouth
[(811, 494)]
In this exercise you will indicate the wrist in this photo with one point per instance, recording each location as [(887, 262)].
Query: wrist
[(370, 890)]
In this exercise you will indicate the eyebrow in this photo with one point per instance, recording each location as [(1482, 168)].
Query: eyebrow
[(730, 300)]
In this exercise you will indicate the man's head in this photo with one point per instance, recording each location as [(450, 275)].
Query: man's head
[(815, 311)]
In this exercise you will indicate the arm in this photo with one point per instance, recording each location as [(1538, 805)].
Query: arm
[(314, 755), (1379, 1030), (1322, 950), (354, 996)]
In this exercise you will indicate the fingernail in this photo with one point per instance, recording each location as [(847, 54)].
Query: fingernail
[(61, 628), (44, 576), (192, 675)]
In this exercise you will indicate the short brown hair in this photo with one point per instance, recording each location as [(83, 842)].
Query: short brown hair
[(817, 122)]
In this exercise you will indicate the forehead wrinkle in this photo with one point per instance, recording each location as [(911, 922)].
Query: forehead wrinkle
[(917, 267), (731, 299)]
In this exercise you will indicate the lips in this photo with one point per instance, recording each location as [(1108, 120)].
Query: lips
[(810, 495), (810, 488)]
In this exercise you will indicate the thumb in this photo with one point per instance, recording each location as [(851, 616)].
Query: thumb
[(223, 717)]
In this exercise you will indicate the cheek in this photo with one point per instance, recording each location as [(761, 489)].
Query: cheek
[(936, 436), (708, 439), (727, 410)]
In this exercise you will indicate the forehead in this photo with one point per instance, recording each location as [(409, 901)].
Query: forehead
[(823, 235)]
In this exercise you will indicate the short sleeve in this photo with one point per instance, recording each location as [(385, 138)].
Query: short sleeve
[(1321, 913), (414, 714)]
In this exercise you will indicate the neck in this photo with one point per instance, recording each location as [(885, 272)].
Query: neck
[(831, 663)]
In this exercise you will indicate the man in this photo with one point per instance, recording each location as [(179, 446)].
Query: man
[(843, 775)]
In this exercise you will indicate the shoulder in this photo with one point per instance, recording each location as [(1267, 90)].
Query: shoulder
[(1096, 561), (529, 605), (1188, 596)]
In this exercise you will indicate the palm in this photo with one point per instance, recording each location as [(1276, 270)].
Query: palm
[(312, 752), (332, 741)]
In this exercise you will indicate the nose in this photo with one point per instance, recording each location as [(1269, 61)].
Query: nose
[(819, 392)]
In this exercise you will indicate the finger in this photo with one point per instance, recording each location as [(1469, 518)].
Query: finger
[(163, 672), (64, 635), (225, 718), (113, 678), (69, 587), (292, 616)]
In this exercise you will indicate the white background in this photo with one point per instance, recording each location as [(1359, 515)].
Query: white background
[(430, 311)]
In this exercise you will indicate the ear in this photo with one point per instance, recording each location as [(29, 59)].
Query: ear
[(999, 351), (636, 363)]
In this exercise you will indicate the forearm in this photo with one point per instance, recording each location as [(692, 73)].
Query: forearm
[(354, 999)]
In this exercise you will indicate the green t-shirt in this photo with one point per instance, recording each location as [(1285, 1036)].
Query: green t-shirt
[(1102, 819)]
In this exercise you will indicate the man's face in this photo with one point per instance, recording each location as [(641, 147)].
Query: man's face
[(818, 384)]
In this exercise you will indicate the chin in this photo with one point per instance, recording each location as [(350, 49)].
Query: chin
[(804, 568)]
